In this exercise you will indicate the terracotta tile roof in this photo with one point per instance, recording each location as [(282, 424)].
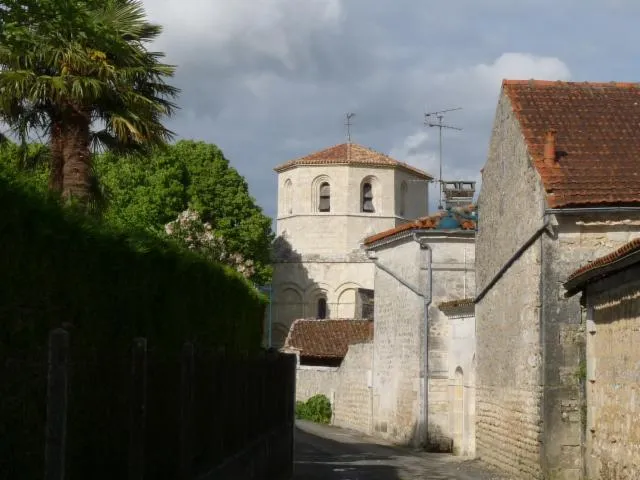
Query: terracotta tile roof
[(597, 139), (328, 338), (351, 154), (431, 222), (591, 270), (464, 302)]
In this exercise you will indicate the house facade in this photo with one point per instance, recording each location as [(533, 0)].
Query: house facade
[(462, 367), (417, 266), (559, 189), (328, 202), (610, 288)]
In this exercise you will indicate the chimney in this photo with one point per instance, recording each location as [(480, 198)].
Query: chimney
[(458, 193), (550, 148)]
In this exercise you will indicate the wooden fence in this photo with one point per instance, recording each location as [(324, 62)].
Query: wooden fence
[(195, 415)]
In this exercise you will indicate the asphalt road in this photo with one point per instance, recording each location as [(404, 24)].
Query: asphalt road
[(329, 453)]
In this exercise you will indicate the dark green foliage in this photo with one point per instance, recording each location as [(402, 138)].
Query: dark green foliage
[(148, 191), (315, 409), (106, 287)]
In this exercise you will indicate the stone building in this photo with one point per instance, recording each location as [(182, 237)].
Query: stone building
[(328, 202), (334, 359), (610, 289), (560, 187), (417, 266), (462, 387), (378, 386)]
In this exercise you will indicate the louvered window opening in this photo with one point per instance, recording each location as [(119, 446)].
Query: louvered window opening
[(367, 198), (325, 198)]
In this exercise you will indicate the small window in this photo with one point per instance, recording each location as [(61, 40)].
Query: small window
[(322, 308), (325, 198), (403, 198), (367, 198), (288, 198)]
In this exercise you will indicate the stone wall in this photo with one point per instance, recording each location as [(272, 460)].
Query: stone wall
[(399, 330), (530, 338), (577, 240), (462, 382), (346, 386), (312, 380), (353, 396), (613, 376), (509, 374), (398, 370)]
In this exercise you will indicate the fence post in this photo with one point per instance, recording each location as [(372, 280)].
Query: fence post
[(57, 398), (293, 362), (138, 408), (186, 408)]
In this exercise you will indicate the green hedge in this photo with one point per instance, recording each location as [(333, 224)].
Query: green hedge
[(111, 286), (106, 287)]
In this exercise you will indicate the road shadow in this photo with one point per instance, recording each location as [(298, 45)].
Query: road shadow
[(319, 458)]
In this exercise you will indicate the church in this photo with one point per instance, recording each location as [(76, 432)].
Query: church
[(373, 295), (328, 203)]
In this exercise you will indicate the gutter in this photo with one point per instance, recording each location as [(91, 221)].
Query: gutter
[(587, 210), (513, 259)]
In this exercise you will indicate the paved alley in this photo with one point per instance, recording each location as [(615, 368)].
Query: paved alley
[(329, 453)]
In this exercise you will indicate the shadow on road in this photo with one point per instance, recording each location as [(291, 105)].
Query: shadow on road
[(321, 458)]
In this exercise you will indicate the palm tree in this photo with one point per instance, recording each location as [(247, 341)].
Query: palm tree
[(67, 65)]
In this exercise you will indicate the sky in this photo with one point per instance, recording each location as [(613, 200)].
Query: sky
[(271, 80)]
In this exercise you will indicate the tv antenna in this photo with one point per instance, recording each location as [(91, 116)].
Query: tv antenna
[(434, 119), (348, 125)]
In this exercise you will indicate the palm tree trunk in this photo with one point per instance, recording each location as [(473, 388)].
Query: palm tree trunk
[(76, 152), (57, 159)]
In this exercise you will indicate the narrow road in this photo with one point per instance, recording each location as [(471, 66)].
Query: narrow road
[(329, 453)]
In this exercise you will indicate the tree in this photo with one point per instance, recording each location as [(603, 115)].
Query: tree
[(149, 191), (67, 64), (191, 232)]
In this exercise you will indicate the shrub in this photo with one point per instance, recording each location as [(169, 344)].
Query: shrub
[(316, 409)]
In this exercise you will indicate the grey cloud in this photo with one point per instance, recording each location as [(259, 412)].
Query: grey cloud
[(385, 61)]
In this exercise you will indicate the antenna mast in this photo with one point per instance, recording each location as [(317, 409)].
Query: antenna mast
[(434, 119), (348, 125)]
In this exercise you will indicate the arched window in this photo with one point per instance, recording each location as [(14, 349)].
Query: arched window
[(367, 198), (288, 197), (403, 198), (322, 308), (324, 204)]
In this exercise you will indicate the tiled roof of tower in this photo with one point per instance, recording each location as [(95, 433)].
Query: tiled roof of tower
[(463, 216), (598, 139), (327, 338), (628, 253), (351, 154)]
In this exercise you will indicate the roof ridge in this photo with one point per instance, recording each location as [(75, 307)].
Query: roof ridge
[(348, 153), (541, 83)]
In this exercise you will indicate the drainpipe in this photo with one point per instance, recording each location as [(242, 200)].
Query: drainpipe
[(427, 297)]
